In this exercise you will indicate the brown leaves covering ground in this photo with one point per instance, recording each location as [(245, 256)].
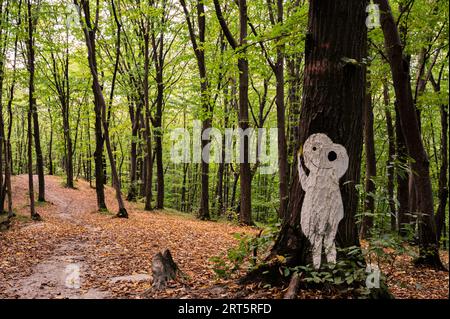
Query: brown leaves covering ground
[(107, 247)]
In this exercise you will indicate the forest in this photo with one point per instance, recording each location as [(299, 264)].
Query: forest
[(157, 149)]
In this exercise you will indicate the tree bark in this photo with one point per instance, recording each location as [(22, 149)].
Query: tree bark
[(428, 241), (443, 171), (148, 134), (204, 98), (32, 108), (100, 104), (403, 218), (32, 20), (89, 33), (158, 59), (390, 168), (332, 103), (371, 167), (245, 212)]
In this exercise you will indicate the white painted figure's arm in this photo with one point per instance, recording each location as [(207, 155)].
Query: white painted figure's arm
[(301, 172)]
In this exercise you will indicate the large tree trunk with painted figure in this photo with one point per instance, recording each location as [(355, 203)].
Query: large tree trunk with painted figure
[(333, 100)]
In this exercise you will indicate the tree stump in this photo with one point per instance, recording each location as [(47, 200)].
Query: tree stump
[(164, 269), (5, 224)]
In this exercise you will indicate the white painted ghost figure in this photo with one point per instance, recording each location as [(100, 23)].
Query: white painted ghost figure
[(322, 208)]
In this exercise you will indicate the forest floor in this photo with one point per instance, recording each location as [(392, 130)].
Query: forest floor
[(114, 255)]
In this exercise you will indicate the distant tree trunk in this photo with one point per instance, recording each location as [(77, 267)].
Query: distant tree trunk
[(281, 122), (403, 218), (148, 134), (184, 203), (221, 184), (371, 166), (32, 20), (62, 86), (134, 116), (8, 151), (98, 152), (443, 171), (100, 105), (204, 97), (333, 97), (158, 59), (50, 145), (390, 170), (443, 185), (32, 108), (428, 241), (245, 213), (3, 16), (294, 75)]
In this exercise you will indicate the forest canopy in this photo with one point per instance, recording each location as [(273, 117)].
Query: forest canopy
[(127, 94)]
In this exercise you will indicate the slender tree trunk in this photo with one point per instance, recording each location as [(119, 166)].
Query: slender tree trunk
[(3, 43), (31, 110), (148, 135), (134, 116), (371, 166), (402, 178), (32, 19), (443, 171), (443, 185), (245, 212), (8, 151), (204, 97), (281, 122), (158, 58), (428, 241), (390, 168), (50, 146), (100, 106)]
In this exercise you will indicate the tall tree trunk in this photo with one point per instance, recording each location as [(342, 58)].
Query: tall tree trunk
[(50, 145), (100, 104), (428, 241), (332, 104), (281, 122), (402, 178), (371, 166), (98, 152), (204, 97), (148, 134), (134, 116), (3, 42), (8, 151), (390, 169), (443, 171), (32, 109), (32, 20), (158, 59), (245, 212)]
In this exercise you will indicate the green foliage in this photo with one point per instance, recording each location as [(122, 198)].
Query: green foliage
[(249, 252)]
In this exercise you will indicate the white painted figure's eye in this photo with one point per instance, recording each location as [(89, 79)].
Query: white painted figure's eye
[(314, 148), (332, 156)]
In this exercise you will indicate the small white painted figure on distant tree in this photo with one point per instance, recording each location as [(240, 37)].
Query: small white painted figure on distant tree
[(322, 208)]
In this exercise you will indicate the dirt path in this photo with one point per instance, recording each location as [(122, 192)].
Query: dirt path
[(61, 274), (77, 252)]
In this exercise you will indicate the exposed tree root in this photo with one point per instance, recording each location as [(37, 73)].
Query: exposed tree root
[(432, 261), (122, 213)]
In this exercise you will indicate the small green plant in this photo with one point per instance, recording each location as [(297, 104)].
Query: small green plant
[(249, 251), (346, 277)]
